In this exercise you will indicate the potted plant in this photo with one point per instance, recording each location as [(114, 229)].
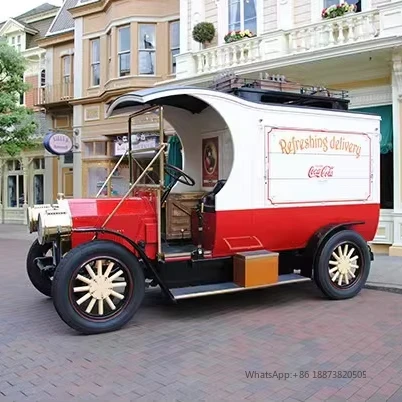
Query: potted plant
[(238, 35), (204, 32), (337, 10)]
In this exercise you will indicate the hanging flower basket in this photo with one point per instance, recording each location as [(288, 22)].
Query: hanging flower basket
[(234, 36), (338, 10)]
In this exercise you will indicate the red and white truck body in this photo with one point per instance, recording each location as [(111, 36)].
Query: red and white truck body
[(287, 187)]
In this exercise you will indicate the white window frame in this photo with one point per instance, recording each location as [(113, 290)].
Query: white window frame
[(121, 52), (66, 75), (223, 19), (17, 173), (95, 63), (241, 2), (38, 172), (172, 63), (149, 51), (109, 54)]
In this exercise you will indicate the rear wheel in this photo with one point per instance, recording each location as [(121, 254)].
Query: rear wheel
[(343, 265), (41, 280), (98, 287)]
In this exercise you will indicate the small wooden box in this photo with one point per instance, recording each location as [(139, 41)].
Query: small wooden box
[(255, 268)]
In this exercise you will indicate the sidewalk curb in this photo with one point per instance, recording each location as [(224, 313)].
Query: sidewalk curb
[(384, 287)]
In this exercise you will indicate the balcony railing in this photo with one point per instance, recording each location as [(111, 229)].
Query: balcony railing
[(50, 94), (386, 21)]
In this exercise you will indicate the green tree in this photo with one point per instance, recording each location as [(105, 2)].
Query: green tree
[(17, 123)]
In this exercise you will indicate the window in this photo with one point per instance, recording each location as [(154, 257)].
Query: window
[(109, 55), (243, 15), (38, 180), (174, 44), (124, 51), (15, 184), (95, 148), (146, 48), (18, 47), (358, 4), (66, 69), (95, 62), (66, 79)]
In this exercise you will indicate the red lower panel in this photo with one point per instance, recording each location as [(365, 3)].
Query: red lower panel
[(278, 229)]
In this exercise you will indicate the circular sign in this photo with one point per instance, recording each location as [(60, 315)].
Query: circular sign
[(58, 143)]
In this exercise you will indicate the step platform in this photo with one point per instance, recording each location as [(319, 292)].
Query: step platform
[(231, 287), (251, 270)]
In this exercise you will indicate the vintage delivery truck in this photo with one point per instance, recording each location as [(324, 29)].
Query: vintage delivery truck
[(276, 187)]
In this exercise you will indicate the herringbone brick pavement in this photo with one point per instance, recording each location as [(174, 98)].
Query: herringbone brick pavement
[(201, 349)]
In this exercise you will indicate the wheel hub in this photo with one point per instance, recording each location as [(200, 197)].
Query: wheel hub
[(344, 266), (100, 287)]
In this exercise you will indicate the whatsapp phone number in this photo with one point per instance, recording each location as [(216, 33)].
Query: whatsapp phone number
[(318, 374)]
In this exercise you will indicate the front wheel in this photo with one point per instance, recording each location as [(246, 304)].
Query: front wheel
[(342, 265), (42, 280), (98, 287)]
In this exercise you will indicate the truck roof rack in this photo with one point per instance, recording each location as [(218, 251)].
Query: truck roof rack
[(276, 89)]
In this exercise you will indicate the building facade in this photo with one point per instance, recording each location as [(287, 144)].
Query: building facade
[(95, 51), (23, 179), (359, 52)]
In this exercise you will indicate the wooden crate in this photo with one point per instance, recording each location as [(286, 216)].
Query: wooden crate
[(255, 268), (178, 214)]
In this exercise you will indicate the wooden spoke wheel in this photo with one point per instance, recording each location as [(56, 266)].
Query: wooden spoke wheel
[(98, 287), (343, 265)]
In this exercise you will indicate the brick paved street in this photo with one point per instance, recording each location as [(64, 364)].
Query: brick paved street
[(201, 348)]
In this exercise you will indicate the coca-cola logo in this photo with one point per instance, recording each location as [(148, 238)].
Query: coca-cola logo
[(321, 171)]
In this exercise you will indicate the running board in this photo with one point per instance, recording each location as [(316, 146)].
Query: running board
[(230, 287)]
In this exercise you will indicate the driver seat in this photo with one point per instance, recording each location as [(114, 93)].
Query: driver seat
[(209, 198)]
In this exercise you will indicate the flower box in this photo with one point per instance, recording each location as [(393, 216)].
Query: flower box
[(234, 36), (338, 10)]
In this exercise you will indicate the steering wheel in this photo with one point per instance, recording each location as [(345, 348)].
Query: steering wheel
[(178, 175)]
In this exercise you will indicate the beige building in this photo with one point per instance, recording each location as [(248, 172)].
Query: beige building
[(23, 179), (95, 51)]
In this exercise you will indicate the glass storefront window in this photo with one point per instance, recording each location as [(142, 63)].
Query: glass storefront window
[(38, 189), (120, 182), (96, 177), (15, 184), (15, 188), (12, 191)]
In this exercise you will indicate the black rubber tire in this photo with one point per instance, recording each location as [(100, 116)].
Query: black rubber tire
[(41, 282), (61, 282), (321, 272)]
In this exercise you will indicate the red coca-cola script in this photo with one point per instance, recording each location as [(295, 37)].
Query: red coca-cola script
[(321, 171)]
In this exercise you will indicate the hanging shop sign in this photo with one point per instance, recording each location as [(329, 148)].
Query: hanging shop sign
[(57, 143)]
